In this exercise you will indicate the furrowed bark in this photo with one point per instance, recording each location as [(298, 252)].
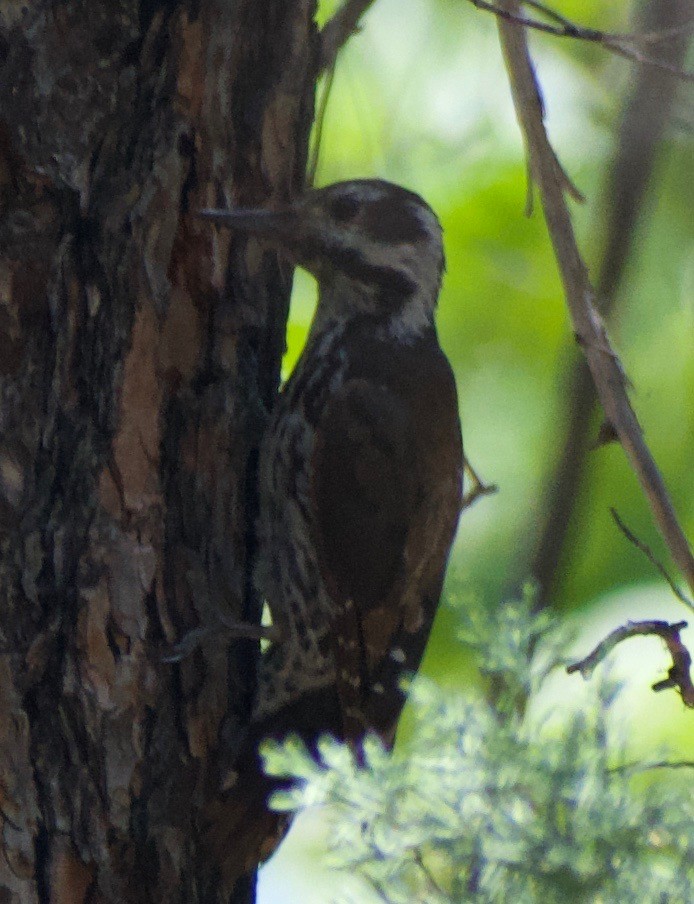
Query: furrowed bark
[(139, 351)]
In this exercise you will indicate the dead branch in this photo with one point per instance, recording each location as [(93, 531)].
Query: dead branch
[(644, 121), (479, 488), (338, 30), (624, 45), (345, 22), (321, 112), (644, 767), (678, 675), (648, 553), (605, 367)]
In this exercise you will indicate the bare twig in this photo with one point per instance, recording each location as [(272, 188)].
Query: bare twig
[(319, 123), (644, 121), (479, 488), (606, 435), (644, 767), (631, 53), (678, 674), (338, 30), (645, 549), (623, 45), (636, 37), (589, 330)]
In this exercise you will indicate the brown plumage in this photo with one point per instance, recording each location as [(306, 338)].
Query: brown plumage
[(386, 496), (361, 466)]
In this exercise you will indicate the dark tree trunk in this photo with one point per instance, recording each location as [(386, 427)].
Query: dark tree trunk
[(139, 351)]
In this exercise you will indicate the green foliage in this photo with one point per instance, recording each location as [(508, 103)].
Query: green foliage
[(488, 803)]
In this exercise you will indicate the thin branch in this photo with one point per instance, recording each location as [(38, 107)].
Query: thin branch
[(605, 367), (631, 53), (479, 488), (679, 673), (644, 767), (645, 549), (321, 111), (589, 663), (634, 37), (338, 30), (566, 29), (622, 45), (644, 121)]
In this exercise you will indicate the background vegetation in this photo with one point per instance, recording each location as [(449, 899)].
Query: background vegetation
[(420, 97)]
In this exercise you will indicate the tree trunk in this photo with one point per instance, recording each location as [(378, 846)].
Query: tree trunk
[(139, 352)]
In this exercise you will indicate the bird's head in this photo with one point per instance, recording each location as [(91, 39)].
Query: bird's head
[(374, 247)]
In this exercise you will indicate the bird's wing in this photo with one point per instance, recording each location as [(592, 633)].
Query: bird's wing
[(372, 510)]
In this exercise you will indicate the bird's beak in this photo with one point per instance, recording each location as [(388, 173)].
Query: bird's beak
[(278, 227)]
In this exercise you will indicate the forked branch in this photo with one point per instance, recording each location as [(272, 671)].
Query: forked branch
[(338, 30), (479, 488), (605, 367), (624, 45), (679, 675)]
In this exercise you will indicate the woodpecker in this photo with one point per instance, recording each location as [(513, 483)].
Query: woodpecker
[(360, 473)]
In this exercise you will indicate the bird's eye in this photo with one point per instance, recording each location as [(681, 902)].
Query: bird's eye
[(344, 208)]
